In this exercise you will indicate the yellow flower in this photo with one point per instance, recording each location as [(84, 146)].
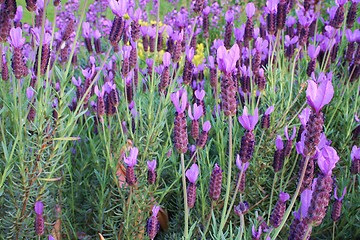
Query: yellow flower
[(199, 57)]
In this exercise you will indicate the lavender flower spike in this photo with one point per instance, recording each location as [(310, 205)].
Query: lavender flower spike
[(192, 173), (318, 95), (287, 134), (279, 143), (39, 207), (206, 126), (327, 158), (313, 52), (240, 165), (131, 160), (248, 121), (342, 196), (256, 234)]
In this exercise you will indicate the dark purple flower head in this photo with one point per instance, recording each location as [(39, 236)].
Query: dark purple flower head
[(304, 116), (198, 112), (355, 153), (131, 160), (287, 134), (239, 33), (39, 207), (98, 92), (256, 234), (327, 158), (30, 93), (269, 110), (240, 165), (192, 173), (284, 196), (250, 10), (227, 59), (313, 52), (16, 39), (318, 95), (342, 196), (229, 16), (279, 143), (151, 165), (166, 59), (249, 121), (206, 126), (118, 7), (179, 99)]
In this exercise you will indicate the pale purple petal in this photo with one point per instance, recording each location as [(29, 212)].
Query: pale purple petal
[(279, 143), (39, 207), (131, 160), (269, 110), (284, 196), (306, 196), (250, 10), (327, 159), (355, 153), (304, 116), (155, 210), (200, 94), (240, 165), (192, 173), (206, 126), (319, 95), (30, 93), (151, 165), (166, 59)]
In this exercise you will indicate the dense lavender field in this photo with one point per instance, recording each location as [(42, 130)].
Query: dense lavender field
[(179, 120)]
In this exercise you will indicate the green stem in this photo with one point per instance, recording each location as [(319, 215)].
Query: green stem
[(186, 229), (208, 220), (235, 194), (288, 211), (333, 231), (223, 216)]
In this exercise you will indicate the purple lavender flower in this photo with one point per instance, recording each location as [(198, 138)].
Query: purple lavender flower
[(279, 209), (179, 99), (153, 225), (327, 158), (151, 171), (265, 120), (250, 10), (215, 183), (249, 121), (279, 154), (30, 93), (318, 95), (355, 160), (289, 142), (227, 59), (201, 141), (118, 7), (242, 168), (192, 175), (131, 161), (336, 210), (39, 219)]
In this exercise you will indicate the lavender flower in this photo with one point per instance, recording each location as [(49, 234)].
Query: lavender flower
[(265, 120), (153, 225), (249, 121), (289, 142), (279, 154), (215, 183), (255, 235), (355, 160), (18, 63), (279, 210), (151, 177), (192, 175), (165, 75), (336, 210), (248, 140), (131, 161), (242, 168), (179, 100), (201, 141), (39, 219), (198, 112)]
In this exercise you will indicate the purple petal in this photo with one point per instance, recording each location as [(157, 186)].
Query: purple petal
[(284, 196), (30, 93), (155, 210), (39, 207), (200, 94), (279, 143), (244, 120), (269, 110), (327, 159), (304, 116), (151, 165), (250, 10), (192, 173), (166, 59), (306, 196), (206, 126), (355, 153)]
